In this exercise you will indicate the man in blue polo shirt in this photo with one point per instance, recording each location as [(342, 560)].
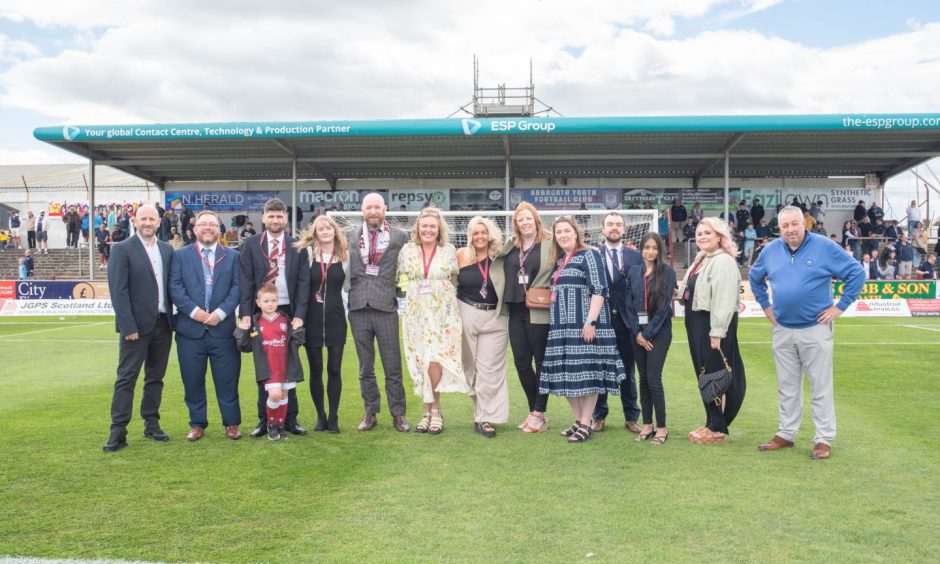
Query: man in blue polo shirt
[(800, 267)]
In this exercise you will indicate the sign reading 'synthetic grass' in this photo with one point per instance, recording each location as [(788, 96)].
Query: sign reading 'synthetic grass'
[(893, 290)]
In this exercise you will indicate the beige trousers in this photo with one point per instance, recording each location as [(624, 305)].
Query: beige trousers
[(485, 341)]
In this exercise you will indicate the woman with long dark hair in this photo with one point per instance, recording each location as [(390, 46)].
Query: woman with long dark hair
[(711, 293), (650, 288)]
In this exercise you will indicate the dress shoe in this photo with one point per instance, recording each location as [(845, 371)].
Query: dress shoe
[(821, 451), (597, 425), (116, 442), (321, 424), (776, 443), (632, 427), (332, 423), (259, 431), (194, 434), (233, 432), (367, 423), (294, 428), (156, 433), (401, 425)]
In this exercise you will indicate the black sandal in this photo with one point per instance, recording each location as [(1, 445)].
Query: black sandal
[(571, 430), (485, 429), (582, 434), (643, 436)]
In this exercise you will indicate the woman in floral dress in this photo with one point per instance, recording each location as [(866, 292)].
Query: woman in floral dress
[(431, 329)]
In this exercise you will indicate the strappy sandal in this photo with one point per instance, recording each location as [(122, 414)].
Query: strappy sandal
[(437, 422), (659, 439), (571, 430), (485, 429), (536, 423), (696, 433), (582, 434), (645, 435), (422, 426), (708, 437)]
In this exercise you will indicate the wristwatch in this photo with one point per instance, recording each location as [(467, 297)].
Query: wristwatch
[(592, 322)]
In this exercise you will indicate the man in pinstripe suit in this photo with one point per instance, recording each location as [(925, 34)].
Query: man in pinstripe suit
[(373, 309)]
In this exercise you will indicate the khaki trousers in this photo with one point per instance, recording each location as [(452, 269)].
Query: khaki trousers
[(485, 340)]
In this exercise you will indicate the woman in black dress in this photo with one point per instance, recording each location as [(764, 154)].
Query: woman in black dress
[(710, 293), (326, 316)]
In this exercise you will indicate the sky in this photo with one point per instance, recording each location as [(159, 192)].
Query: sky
[(97, 62)]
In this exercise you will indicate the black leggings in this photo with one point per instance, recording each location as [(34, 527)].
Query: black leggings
[(528, 341), (649, 365), (334, 380)]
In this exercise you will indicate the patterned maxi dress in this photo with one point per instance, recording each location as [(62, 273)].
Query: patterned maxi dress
[(572, 367), (431, 328)]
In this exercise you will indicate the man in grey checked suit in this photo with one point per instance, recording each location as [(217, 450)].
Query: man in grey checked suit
[(373, 309)]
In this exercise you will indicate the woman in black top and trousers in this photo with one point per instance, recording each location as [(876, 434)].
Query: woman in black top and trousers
[(326, 316)]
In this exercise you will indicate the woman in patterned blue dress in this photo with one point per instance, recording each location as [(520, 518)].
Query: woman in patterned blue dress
[(581, 359)]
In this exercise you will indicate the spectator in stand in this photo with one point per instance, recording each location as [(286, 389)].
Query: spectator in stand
[(188, 238), (175, 240), (905, 254), (757, 211), (103, 244), (248, 230), (820, 229), (741, 217), (872, 272), (892, 232), (928, 268), (15, 224), (750, 236), (774, 224), (28, 261), (117, 234), (679, 216), (42, 234), (688, 230), (889, 267), (186, 221), (875, 213), (877, 234), (913, 215), (919, 242), (860, 211), (809, 219), (663, 225), (865, 228), (697, 213), (814, 211), (112, 217), (30, 226), (21, 271), (166, 225), (762, 230), (867, 265), (86, 221), (73, 224), (850, 238)]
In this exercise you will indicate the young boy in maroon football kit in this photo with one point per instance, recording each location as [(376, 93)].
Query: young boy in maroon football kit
[(274, 344)]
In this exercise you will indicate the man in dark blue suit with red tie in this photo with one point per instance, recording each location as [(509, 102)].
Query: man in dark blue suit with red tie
[(618, 259), (204, 284)]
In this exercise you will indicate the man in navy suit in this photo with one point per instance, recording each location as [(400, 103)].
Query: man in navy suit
[(618, 259), (271, 257), (204, 285), (137, 280)]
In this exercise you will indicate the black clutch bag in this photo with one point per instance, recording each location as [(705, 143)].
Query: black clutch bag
[(714, 384)]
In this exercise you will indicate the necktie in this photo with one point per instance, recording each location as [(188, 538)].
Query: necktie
[(271, 276), (615, 261), (207, 271), (373, 245)]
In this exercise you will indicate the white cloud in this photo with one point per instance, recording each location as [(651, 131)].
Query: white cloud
[(12, 51), (45, 155)]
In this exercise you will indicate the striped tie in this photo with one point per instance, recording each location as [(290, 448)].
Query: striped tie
[(271, 276), (207, 271)]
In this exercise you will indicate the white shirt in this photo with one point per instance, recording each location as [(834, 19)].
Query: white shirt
[(913, 215), (607, 258), (283, 295), (156, 261)]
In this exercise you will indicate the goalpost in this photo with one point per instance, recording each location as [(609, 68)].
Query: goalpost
[(636, 222)]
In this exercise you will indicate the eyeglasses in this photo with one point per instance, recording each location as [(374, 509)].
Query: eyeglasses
[(204, 224)]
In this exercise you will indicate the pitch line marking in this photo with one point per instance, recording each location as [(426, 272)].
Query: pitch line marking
[(922, 327), (58, 328)]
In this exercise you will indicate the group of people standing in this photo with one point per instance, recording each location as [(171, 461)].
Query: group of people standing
[(577, 320)]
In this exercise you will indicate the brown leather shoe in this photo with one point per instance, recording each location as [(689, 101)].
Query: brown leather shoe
[(775, 443), (821, 451), (597, 425), (368, 422), (194, 434), (232, 432), (632, 427), (401, 425)]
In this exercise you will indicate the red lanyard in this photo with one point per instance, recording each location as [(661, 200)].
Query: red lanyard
[(484, 271), (697, 267), (202, 257), (564, 265), (323, 271), (427, 262)]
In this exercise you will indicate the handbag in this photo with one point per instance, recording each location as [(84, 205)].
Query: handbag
[(537, 298), (714, 384)]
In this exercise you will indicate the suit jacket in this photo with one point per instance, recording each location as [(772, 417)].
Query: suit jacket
[(254, 267), (188, 289), (618, 290), (377, 292), (133, 286)]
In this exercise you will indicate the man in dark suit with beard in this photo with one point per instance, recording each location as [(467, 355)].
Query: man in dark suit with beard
[(271, 257), (138, 283)]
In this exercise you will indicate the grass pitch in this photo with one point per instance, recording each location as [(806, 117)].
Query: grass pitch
[(388, 496)]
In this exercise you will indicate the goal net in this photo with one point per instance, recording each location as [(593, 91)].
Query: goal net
[(636, 222)]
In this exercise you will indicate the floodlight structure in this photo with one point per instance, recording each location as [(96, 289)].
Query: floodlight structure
[(504, 101)]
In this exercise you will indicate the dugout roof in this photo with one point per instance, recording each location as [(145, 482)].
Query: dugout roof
[(606, 147)]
